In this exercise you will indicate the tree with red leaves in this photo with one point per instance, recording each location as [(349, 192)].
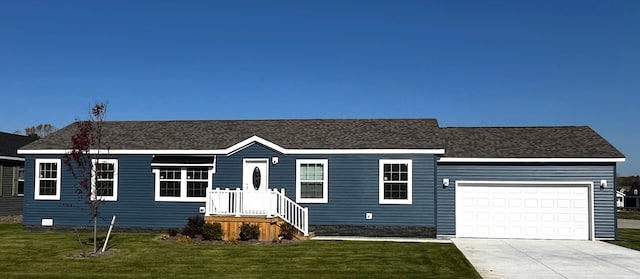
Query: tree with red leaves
[(87, 146)]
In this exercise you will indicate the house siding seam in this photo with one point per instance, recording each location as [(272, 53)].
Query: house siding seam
[(604, 198)]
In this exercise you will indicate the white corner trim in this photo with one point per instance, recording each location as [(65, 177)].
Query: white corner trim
[(11, 158), (529, 160)]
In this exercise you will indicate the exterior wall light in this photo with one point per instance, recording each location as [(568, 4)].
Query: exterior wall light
[(274, 160), (445, 182), (603, 183)]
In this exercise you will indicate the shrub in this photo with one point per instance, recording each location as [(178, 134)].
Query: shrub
[(249, 231), (172, 232), (287, 231), (185, 239), (194, 226), (212, 231)]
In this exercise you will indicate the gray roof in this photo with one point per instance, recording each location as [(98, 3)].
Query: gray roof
[(290, 134), (468, 142), (10, 143), (527, 142)]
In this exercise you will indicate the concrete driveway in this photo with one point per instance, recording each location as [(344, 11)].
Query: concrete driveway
[(515, 258)]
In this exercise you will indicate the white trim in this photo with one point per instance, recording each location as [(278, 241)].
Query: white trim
[(36, 192), (381, 199), (180, 165), (183, 186), (588, 184), (237, 147), (529, 160), (325, 181), (11, 158), (94, 179)]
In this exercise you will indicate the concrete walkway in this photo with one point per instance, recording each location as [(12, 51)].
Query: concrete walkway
[(628, 224), (516, 258)]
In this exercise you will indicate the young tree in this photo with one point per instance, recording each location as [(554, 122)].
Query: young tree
[(86, 148)]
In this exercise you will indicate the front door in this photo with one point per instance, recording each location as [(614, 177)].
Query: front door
[(255, 183)]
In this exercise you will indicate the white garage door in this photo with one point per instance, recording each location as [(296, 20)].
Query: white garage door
[(492, 209)]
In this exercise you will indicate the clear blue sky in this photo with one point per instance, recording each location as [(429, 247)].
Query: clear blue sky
[(466, 63)]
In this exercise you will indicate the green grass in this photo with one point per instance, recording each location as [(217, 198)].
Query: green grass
[(629, 238), (629, 214), (137, 255)]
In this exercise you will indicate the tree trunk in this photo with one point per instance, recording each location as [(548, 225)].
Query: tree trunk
[(95, 234)]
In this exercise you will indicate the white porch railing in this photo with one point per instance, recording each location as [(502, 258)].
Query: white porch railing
[(270, 203)]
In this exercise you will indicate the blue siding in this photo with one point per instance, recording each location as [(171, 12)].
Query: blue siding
[(135, 206), (353, 187), (353, 191), (604, 199)]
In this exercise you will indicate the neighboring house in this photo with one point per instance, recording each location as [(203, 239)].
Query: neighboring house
[(620, 199), (632, 198), (369, 177), (12, 175)]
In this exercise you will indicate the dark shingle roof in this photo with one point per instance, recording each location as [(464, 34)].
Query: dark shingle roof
[(292, 134), (466, 142), (10, 143), (527, 142)]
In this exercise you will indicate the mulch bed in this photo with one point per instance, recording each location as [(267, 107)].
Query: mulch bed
[(199, 240)]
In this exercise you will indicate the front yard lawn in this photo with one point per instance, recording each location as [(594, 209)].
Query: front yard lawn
[(143, 255), (629, 214), (629, 238)]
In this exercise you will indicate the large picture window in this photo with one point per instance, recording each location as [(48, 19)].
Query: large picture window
[(182, 183), (47, 178), (312, 181), (395, 182), (105, 179)]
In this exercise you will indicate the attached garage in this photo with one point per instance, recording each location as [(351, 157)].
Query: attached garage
[(524, 209)]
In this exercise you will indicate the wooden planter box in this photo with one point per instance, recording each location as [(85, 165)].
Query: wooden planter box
[(269, 226)]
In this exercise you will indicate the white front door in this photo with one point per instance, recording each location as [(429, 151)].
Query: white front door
[(255, 184)]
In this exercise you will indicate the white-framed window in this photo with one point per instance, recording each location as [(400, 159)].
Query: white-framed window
[(105, 179), (188, 184), (47, 178), (18, 183), (312, 183), (395, 181)]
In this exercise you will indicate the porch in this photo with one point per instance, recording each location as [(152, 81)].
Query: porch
[(268, 209)]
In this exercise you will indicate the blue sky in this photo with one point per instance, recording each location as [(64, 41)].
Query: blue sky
[(466, 63)]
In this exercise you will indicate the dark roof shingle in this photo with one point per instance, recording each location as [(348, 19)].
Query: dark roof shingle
[(467, 142), (293, 134), (527, 142), (10, 143)]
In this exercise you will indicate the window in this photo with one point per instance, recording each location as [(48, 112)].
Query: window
[(182, 183), (105, 180), (395, 182), (312, 181), (18, 183), (47, 186)]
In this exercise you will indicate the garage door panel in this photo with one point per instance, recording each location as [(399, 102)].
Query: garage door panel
[(522, 211)]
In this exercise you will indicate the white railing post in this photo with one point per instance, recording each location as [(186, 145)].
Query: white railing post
[(236, 201), (207, 203)]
